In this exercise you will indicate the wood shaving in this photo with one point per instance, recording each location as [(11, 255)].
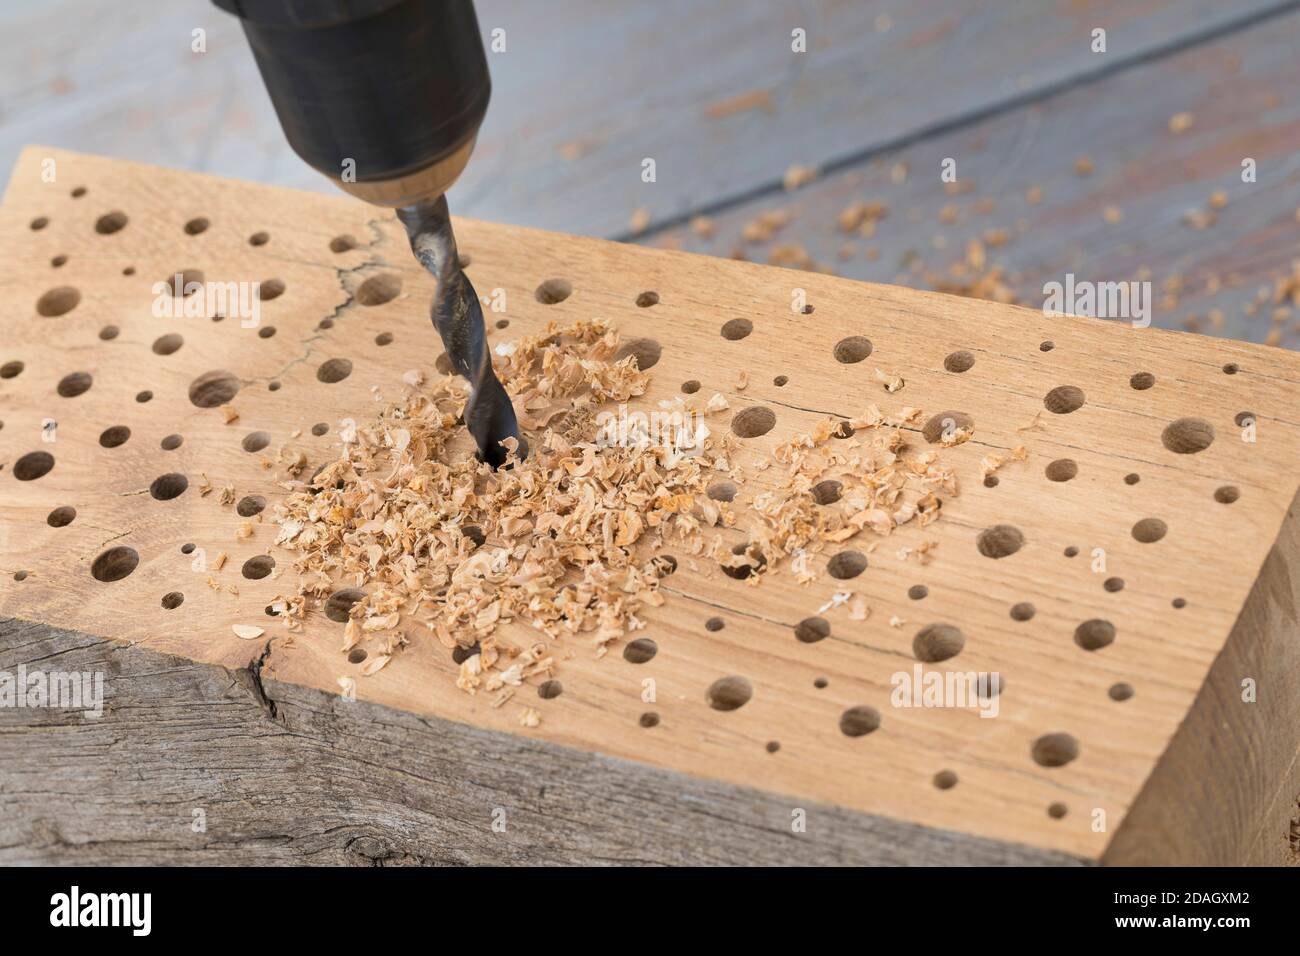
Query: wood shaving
[(247, 632), (797, 176), (229, 413)]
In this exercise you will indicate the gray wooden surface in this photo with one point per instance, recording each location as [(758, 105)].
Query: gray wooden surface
[(286, 775), (587, 89)]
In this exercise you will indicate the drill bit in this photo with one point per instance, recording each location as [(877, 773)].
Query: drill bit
[(458, 317)]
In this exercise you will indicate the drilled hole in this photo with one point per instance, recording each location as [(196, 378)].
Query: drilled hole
[(554, 291), (171, 442), (250, 505), (256, 441), (109, 332), (11, 369), (213, 388), (172, 600), (729, 693), (1232, 368), (114, 564), (722, 491), (1000, 541), (111, 222), (144, 396), (338, 606), (937, 642), (827, 492), (959, 362), (1227, 494), (1187, 436), (342, 243), (1057, 810), (1094, 635), (1046, 346), (991, 481), (846, 564), (691, 386), (61, 517), (733, 330), (918, 592), (1064, 399), (33, 465), (269, 289), (649, 719), (169, 486), (1243, 419), (714, 624), (780, 381), (196, 226), (1113, 585), (167, 344), (647, 299), (853, 349), (114, 436), (550, 689), (259, 239), (379, 289), (812, 629), (1055, 750), (1120, 691), (859, 721), (384, 338), (647, 352), (1150, 530), (1063, 469), (640, 651), (1142, 381), (258, 567), (59, 261), (1132, 478), (74, 384), (946, 424), (945, 780), (334, 370), (1024, 611), (753, 422), (58, 301)]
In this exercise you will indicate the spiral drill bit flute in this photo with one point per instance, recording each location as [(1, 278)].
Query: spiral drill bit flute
[(386, 97)]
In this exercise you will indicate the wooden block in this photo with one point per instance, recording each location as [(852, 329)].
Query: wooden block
[(1143, 740)]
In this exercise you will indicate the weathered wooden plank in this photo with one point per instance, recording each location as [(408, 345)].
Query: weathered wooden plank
[(586, 90), (280, 774), (1086, 424), (1127, 216)]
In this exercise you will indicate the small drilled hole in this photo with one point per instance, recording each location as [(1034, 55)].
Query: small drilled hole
[(733, 330), (338, 606), (266, 332), (1232, 368), (59, 261), (109, 332), (357, 655), (1142, 381), (256, 441), (714, 624), (1063, 469), (1046, 346), (78, 192), (111, 222), (1120, 691), (780, 381), (115, 436), (259, 239), (171, 442), (269, 289), (859, 721), (196, 226), (646, 351), (172, 600), (846, 565), (729, 693), (827, 492), (342, 243), (11, 369), (1055, 750), (959, 362), (945, 780), (1064, 399), (691, 386), (1113, 585), (649, 719), (1149, 530), (851, 350), (945, 425), (334, 370), (384, 338), (1132, 478), (144, 396), (722, 491), (1024, 611), (320, 428), (918, 592), (640, 651), (1227, 494), (647, 299), (74, 384), (550, 689), (258, 567), (753, 422)]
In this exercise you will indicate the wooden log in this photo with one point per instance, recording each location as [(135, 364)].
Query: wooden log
[(1122, 730)]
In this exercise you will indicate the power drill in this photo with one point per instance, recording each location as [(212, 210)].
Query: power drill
[(385, 97)]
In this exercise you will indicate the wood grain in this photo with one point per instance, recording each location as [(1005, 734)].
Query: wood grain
[(1210, 557)]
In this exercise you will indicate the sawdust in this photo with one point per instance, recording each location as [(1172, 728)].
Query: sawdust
[(572, 543)]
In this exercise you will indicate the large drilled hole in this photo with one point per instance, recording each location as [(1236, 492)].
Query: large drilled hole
[(1064, 399), (111, 222), (1000, 541), (343, 243), (334, 370), (1055, 750), (1187, 436), (827, 492), (256, 441), (647, 299), (640, 651), (11, 369), (58, 301), (752, 422), (937, 642), (1094, 635), (733, 330), (171, 442), (338, 606), (114, 564), (169, 486), (846, 564), (213, 388), (33, 465), (74, 384), (722, 491), (114, 436), (61, 517), (812, 629), (853, 349), (1150, 530), (259, 239), (1227, 494), (647, 352), (554, 291), (379, 289), (258, 567), (1141, 381), (1063, 469), (729, 693), (859, 721), (167, 344), (945, 425), (269, 289), (959, 362)]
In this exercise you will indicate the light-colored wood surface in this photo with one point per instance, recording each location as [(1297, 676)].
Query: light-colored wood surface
[(1210, 557)]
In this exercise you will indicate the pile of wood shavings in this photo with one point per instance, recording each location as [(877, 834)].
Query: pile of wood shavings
[(568, 542)]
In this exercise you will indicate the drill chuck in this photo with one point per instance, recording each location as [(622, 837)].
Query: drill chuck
[(383, 96)]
